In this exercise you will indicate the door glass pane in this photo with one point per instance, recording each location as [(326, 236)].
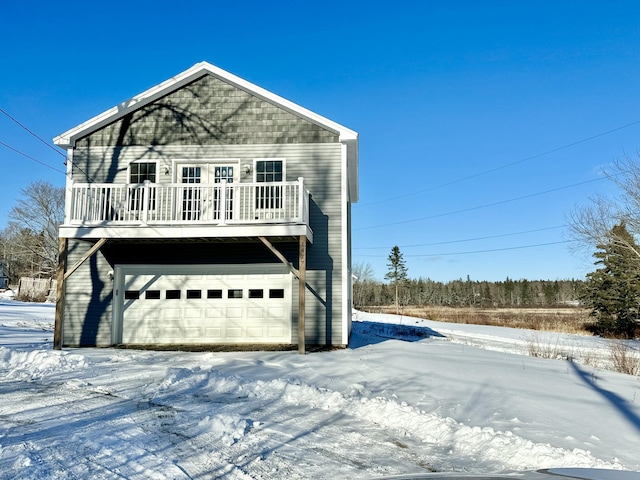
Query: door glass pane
[(191, 207)]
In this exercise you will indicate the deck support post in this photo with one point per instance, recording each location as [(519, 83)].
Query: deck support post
[(60, 294), (302, 282)]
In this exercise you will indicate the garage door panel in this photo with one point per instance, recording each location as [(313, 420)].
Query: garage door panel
[(192, 332), (213, 313), (255, 332), (275, 313), (235, 312), (233, 333), (275, 332), (193, 313)]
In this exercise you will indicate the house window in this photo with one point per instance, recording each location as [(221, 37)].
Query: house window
[(269, 171), (140, 172)]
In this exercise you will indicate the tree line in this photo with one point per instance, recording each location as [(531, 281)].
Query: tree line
[(464, 293)]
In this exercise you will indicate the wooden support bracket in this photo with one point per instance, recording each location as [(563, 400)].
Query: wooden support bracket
[(84, 258), (300, 273)]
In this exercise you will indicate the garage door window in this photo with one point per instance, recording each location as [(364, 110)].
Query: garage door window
[(194, 293), (276, 293), (234, 293), (152, 294), (131, 295), (256, 293), (214, 294), (172, 294)]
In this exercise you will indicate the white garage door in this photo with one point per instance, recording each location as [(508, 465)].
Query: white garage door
[(203, 308)]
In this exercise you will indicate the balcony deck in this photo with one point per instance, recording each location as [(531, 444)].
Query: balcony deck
[(187, 210)]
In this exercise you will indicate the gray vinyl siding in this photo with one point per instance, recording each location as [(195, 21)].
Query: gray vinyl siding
[(88, 300)]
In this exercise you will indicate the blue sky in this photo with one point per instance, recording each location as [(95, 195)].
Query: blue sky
[(482, 123)]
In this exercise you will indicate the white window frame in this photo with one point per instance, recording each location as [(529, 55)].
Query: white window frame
[(138, 162), (275, 159), (135, 202)]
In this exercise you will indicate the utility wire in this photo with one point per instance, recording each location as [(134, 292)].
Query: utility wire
[(465, 240), (507, 165), (34, 134), (478, 251), (486, 205), (31, 158), (44, 142)]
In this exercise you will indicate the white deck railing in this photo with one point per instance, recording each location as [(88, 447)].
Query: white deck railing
[(188, 203)]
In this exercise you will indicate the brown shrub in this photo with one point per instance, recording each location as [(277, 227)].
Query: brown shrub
[(550, 319)]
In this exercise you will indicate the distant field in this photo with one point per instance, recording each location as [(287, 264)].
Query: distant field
[(551, 319)]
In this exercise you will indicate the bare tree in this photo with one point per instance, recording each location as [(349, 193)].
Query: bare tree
[(363, 278), (32, 233), (593, 225)]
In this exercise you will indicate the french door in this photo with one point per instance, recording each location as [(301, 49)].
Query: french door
[(201, 201), (220, 173)]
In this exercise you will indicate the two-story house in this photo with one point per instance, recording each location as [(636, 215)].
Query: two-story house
[(207, 210)]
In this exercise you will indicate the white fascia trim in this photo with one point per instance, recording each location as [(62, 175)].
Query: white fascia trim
[(187, 232), (344, 238), (69, 137)]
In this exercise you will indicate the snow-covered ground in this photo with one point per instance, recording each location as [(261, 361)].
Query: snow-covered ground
[(467, 399)]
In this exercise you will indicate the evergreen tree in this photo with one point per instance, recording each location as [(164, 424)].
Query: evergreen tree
[(613, 290), (397, 271)]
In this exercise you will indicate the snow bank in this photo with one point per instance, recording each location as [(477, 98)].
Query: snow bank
[(37, 364)]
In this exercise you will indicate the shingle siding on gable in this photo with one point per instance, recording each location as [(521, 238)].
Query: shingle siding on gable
[(208, 111)]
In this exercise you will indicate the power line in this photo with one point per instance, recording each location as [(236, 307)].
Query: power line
[(465, 240), (507, 165), (33, 134), (31, 158), (501, 202), (479, 251), (89, 178)]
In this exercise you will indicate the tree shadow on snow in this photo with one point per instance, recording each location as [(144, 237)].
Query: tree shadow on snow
[(615, 400), (370, 333)]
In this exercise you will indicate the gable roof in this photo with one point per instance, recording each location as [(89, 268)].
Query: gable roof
[(67, 138), (346, 135)]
